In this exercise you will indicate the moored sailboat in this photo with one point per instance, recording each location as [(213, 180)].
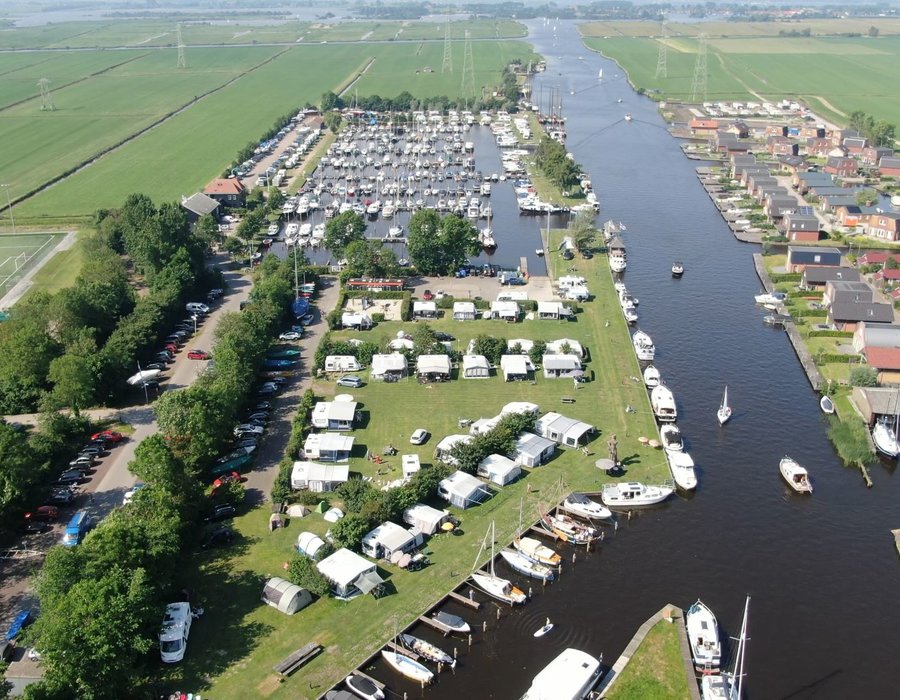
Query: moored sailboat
[(427, 650), (526, 566), (728, 685), (496, 586), (406, 666), (536, 551)]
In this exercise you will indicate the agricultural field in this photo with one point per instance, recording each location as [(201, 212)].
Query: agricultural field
[(816, 27), (833, 75)]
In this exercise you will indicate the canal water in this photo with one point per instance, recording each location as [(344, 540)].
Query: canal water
[(822, 570)]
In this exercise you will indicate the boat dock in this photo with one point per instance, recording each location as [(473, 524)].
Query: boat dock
[(474, 604), (393, 646), (710, 181)]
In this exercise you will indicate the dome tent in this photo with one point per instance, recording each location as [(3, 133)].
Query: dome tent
[(285, 596)]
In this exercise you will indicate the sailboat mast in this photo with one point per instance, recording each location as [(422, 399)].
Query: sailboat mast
[(739, 681)]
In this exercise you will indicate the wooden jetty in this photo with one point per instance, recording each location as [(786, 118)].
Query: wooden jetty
[(544, 533), (474, 604), (393, 646)]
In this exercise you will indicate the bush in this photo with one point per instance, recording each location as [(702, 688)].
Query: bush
[(378, 318), (862, 375), (303, 572)]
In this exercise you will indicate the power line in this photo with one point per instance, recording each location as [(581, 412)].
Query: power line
[(447, 65), (699, 83), (468, 78), (662, 68), (182, 61), (46, 97)]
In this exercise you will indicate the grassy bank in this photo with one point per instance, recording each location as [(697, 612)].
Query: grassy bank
[(656, 671)]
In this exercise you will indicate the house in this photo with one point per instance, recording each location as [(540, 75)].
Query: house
[(782, 146), (559, 366), (475, 367), (515, 368), (551, 310), (831, 202), (812, 132), (562, 430), (356, 321), (776, 130), (227, 191), (801, 257), (425, 519), (334, 415), (433, 368), (387, 538), (803, 181), (424, 309), (505, 310), (442, 451), (872, 155), (855, 145), (886, 276), (463, 310), (843, 291), (846, 315), (341, 363), (198, 205), (532, 450), (792, 163), (876, 335), (800, 227), (777, 207), (818, 277), (841, 167), (499, 469), (883, 225), (885, 360), (484, 425), (565, 346), (284, 596), (349, 574), (889, 167), (703, 126), (875, 402), (876, 257), (389, 368), (463, 490), (318, 478), (818, 147), (739, 129), (328, 447)]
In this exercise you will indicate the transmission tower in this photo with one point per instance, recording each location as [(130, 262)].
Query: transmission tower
[(468, 78), (447, 65), (46, 98), (698, 84), (662, 68), (182, 61)]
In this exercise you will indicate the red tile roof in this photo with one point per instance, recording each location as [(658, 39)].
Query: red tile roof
[(224, 185), (876, 258), (883, 358), (704, 124), (888, 274)]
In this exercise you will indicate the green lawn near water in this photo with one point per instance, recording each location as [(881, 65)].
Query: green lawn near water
[(656, 671)]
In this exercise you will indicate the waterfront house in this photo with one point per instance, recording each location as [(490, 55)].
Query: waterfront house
[(884, 226), (463, 490), (818, 277), (876, 335), (464, 311), (889, 167), (505, 310), (562, 430), (801, 257), (743, 173), (443, 449), (349, 574), (388, 367), (875, 402), (532, 450), (499, 469), (739, 160), (841, 167), (516, 368), (552, 310), (561, 366), (433, 368), (758, 181), (886, 361), (334, 415), (565, 346), (424, 309), (387, 538), (800, 227), (840, 290), (777, 206), (425, 519), (318, 478), (703, 126), (227, 191), (846, 315), (475, 367), (872, 155), (198, 205), (328, 447)]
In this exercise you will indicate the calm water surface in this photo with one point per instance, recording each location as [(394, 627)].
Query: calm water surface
[(822, 571)]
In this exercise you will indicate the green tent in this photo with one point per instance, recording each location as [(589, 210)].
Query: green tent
[(322, 507)]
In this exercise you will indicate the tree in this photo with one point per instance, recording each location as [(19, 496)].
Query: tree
[(862, 375), (332, 121), (207, 230), (155, 464), (369, 259), (536, 354), (303, 572), (74, 376), (584, 232), (424, 228), (343, 230), (195, 421), (440, 246), (331, 101), (349, 530), (492, 348)]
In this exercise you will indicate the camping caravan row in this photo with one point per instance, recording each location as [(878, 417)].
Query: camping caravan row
[(388, 538), (349, 574), (334, 415), (341, 363)]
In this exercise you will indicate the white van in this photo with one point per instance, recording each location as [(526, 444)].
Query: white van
[(173, 636)]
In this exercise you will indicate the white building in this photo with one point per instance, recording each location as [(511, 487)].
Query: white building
[(515, 368), (318, 477), (328, 447), (565, 346), (475, 367), (349, 574), (424, 309), (552, 310), (424, 518), (341, 363), (463, 490), (499, 469), (334, 415), (559, 366), (387, 538), (389, 367), (562, 430), (433, 367), (505, 310), (532, 450), (464, 311), (443, 448)]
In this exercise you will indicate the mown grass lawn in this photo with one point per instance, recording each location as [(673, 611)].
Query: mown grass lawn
[(656, 671), (236, 643)]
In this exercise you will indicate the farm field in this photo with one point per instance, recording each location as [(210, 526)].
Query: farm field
[(833, 75), (182, 154), (830, 27), (236, 643)]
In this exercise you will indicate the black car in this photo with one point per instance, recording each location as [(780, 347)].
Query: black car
[(61, 497), (586, 254), (441, 336), (157, 365), (220, 537), (247, 442), (35, 527), (93, 449), (70, 476), (263, 406), (222, 512)]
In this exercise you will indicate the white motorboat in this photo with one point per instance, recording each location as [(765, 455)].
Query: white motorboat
[(582, 506), (394, 233), (682, 467), (773, 298), (643, 346), (630, 314), (526, 566), (670, 437), (617, 262), (632, 494), (570, 676), (410, 668), (651, 377), (536, 551), (703, 636), (448, 622), (884, 435), (827, 405), (663, 402), (427, 650), (796, 476), (724, 412), (628, 117), (498, 588), (728, 685), (363, 687), (677, 269), (486, 237), (145, 375), (568, 529)]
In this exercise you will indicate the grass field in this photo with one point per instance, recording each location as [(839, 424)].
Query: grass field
[(19, 253), (235, 645), (826, 27), (656, 671), (834, 75)]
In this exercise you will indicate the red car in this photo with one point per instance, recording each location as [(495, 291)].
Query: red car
[(427, 295), (172, 346), (227, 479), (198, 355), (46, 513), (108, 436)]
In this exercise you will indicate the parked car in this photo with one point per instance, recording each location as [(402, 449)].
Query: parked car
[(307, 319), (263, 406), (441, 336), (259, 416), (215, 293), (249, 441), (44, 513), (249, 428), (290, 335), (515, 281), (164, 356), (70, 476), (221, 512), (93, 449), (35, 527), (83, 462), (427, 295), (132, 492), (162, 367), (198, 355), (271, 385), (266, 391), (419, 436), (219, 537), (196, 307), (350, 380), (109, 436), (61, 496)]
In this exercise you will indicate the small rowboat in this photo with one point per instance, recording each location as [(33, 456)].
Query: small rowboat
[(545, 629), (827, 405)]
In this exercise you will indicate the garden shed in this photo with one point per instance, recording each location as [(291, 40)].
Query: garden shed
[(285, 596), (476, 367)]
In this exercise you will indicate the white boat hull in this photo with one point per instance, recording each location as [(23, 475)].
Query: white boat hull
[(536, 551), (634, 494), (526, 566), (796, 476), (682, 467), (498, 588), (406, 666), (885, 440), (703, 636)]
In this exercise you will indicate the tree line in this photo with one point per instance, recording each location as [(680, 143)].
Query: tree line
[(556, 166), (879, 132)]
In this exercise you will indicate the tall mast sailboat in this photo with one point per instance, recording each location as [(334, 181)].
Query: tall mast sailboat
[(493, 585), (724, 412), (730, 684)]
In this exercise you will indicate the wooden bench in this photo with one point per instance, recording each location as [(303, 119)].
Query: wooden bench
[(568, 399), (297, 659)]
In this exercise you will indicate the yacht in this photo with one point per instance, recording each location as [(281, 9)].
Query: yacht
[(796, 476), (677, 269), (570, 676), (632, 494), (427, 650), (582, 506), (643, 346), (663, 402), (884, 435), (703, 637), (773, 298), (671, 439), (651, 377), (682, 467), (617, 261), (536, 551), (408, 667), (526, 566)]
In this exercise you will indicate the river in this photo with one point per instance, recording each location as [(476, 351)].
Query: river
[(821, 570)]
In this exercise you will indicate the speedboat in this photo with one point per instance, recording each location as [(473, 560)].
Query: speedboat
[(448, 622), (363, 687), (703, 636), (663, 402), (498, 588), (643, 346), (677, 269), (772, 298), (633, 493), (651, 377), (427, 650), (884, 436), (526, 566), (682, 467), (582, 506), (536, 551), (796, 476), (671, 439), (569, 530), (410, 668)]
